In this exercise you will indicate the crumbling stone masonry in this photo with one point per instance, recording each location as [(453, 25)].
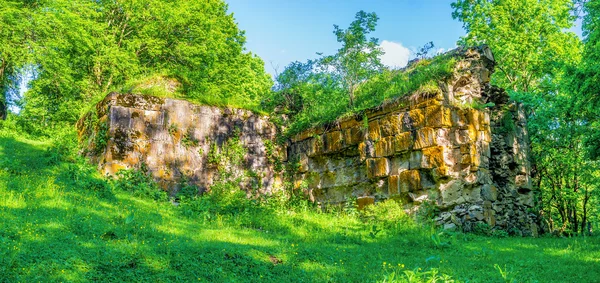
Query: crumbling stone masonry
[(448, 148), (175, 139), (443, 147)]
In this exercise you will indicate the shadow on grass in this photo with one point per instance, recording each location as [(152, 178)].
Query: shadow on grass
[(55, 227)]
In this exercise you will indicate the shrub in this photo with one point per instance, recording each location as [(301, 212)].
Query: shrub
[(139, 183)]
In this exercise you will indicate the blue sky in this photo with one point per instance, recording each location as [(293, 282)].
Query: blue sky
[(283, 31)]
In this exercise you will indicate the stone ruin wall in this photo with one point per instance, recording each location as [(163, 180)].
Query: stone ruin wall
[(471, 164), (174, 139)]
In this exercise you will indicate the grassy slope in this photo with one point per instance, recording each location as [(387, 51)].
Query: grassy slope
[(55, 229)]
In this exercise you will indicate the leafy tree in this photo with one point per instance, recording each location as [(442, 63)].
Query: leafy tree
[(526, 36), (14, 36), (586, 76), (83, 49), (358, 58), (537, 59)]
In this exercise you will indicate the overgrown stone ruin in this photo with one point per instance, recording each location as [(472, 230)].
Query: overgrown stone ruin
[(460, 151), (176, 141)]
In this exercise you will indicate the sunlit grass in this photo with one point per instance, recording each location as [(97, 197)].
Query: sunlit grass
[(57, 229)]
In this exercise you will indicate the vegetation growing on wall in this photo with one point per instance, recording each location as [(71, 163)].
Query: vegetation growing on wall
[(313, 97)]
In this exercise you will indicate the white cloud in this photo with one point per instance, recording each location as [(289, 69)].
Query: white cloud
[(396, 55)]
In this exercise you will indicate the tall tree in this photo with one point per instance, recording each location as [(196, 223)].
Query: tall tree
[(537, 56), (358, 58), (14, 35), (82, 49), (525, 36)]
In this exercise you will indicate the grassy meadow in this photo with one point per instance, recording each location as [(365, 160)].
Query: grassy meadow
[(61, 222)]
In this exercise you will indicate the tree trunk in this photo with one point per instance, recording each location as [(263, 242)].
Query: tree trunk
[(3, 110), (586, 197)]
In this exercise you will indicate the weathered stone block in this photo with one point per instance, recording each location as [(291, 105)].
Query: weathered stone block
[(522, 181), (485, 135), (416, 160), (390, 125), (399, 164), (437, 116), (374, 131), (314, 146), (473, 118), (484, 118), (385, 147), (489, 192), (413, 119), (354, 135), (403, 142), (460, 136), (363, 202), (442, 137), (333, 141), (393, 185), (433, 157), (349, 123), (424, 137), (410, 181), (362, 150), (377, 167), (459, 117)]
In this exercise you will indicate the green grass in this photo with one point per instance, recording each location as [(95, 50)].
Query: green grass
[(160, 85), (62, 222)]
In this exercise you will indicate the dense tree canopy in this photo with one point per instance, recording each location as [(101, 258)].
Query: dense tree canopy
[(82, 49), (525, 35)]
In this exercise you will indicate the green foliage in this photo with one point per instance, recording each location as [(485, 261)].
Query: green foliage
[(81, 50), (358, 58), (76, 227), (527, 37), (323, 101), (420, 77), (188, 139), (417, 275), (139, 183), (14, 50)]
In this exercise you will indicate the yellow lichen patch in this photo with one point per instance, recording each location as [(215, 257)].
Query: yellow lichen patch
[(473, 117), (393, 185), (403, 142), (363, 202), (473, 132), (374, 132), (350, 123), (385, 147), (425, 137), (437, 116), (413, 119), (333, 141), (362, 150), (113, 168), (485, 135), (377, 167), (440, 172), (390, 125), (433, 156), (410, 181), (353, 136)]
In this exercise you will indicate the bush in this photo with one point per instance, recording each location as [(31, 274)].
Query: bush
[(389, 216), (139, 183)]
